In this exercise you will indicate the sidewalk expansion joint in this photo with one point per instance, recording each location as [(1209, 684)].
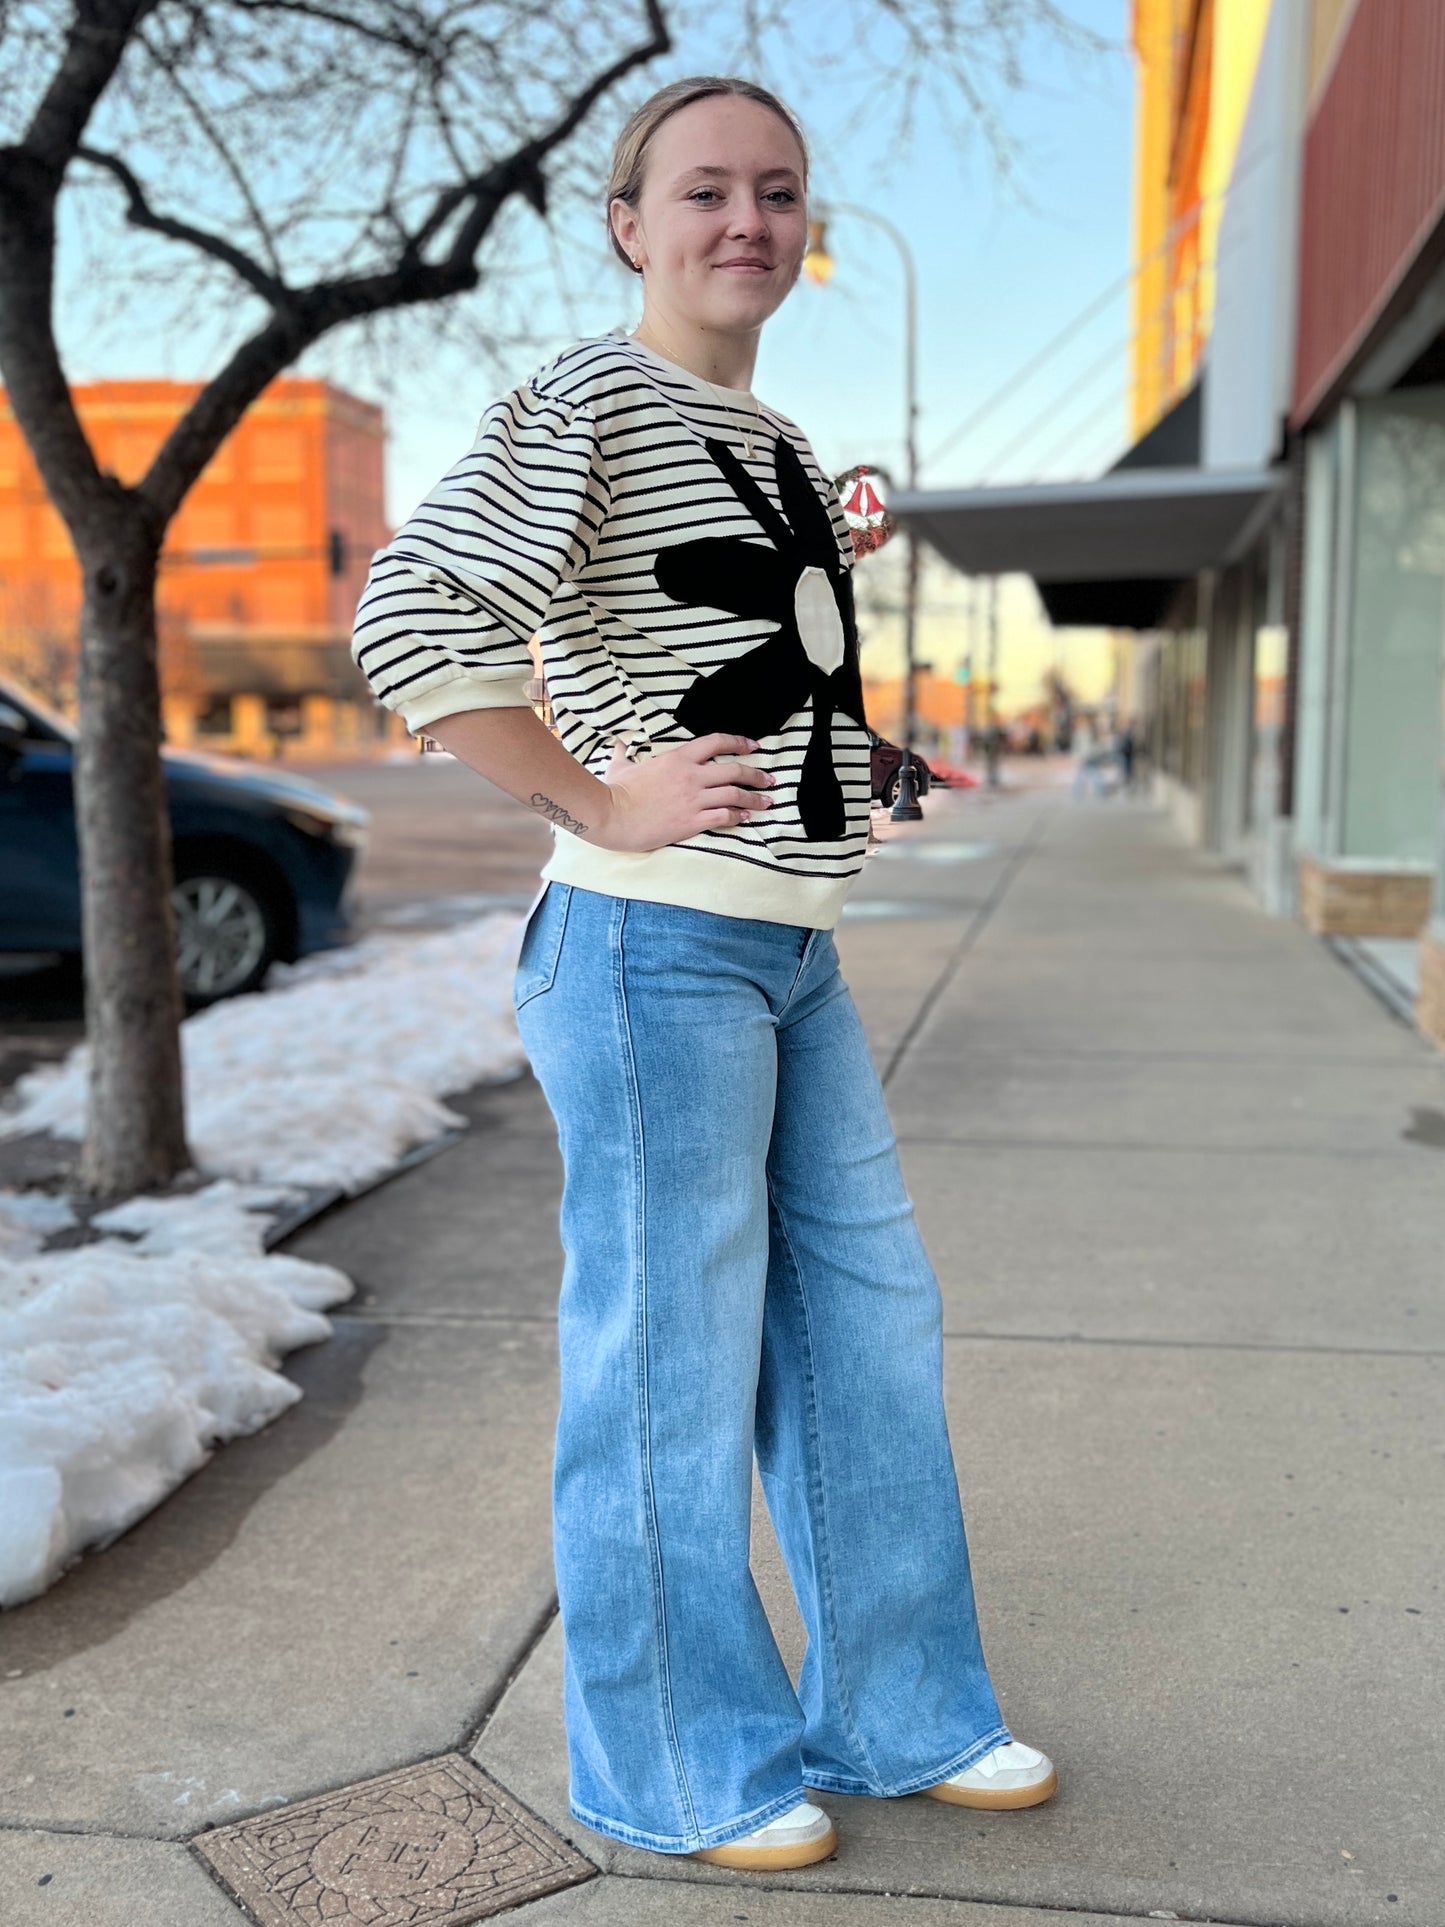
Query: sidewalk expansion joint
[(1135, 1146), (797, 1883), (531, 1640), (1199, 1344), (1427, 1057), (444, 1315), (78, 1830)]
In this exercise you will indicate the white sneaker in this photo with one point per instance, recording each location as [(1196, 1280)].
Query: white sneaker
[(795, 1839), (1013, 1775)]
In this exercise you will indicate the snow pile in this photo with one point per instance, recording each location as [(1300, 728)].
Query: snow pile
[(28, 1218), (124, 1362), (332, 1076)]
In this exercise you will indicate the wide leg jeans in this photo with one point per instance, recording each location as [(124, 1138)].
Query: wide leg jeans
[(743, 1274)]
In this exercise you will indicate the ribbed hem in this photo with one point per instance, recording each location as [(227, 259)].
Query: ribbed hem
[(699, 880)]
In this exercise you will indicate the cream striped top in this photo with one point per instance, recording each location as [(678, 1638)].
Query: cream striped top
[(674, 586)]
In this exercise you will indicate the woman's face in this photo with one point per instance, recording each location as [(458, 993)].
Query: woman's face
[(721, 225)]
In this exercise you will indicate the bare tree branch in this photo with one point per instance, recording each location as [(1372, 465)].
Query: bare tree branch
[(95, 45), (521, 172), (424, 47), (141, 214), (212, 134), (310, 313)]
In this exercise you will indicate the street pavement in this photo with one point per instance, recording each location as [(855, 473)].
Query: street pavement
[(1181, 1177)]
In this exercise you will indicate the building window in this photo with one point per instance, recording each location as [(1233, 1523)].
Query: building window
[(1391, 782), (283, 715), (213, 718)]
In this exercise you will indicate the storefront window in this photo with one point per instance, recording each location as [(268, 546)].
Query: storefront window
[(1391, 789), (1314, 785), (1271, 661)]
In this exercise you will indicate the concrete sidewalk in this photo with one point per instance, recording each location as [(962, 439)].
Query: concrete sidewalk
[(1182, 1179)]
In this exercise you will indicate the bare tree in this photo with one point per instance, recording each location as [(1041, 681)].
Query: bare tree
[(330, 161)]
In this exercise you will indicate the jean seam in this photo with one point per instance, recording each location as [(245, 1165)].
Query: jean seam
[(803, 959), (519, 1004), (804, 964), (817, 1482), (644, 1415)]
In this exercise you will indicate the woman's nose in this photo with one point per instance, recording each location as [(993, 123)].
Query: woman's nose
[(750, 223)]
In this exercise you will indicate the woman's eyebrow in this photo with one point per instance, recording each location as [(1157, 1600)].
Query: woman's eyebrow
[(726, 173)]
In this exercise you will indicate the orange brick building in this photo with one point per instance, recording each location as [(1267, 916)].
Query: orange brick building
[(259, 576)]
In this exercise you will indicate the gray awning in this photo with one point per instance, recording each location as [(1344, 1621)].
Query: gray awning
[(1138, 526)]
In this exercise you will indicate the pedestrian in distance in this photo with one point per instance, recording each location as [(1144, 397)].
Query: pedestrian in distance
[(1126, 749), (743, 1272)]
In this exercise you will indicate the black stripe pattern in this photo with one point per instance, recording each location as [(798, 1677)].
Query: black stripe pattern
[(608, 509)]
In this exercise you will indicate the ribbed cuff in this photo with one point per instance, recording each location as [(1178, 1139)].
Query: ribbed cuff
[(464, 692)]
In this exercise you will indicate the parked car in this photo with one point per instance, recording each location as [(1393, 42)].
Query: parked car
[(948, 776), (885, 759), (262, 858)]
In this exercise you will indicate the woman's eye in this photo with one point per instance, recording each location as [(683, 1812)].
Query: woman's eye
[(704, 196), (783, 195)]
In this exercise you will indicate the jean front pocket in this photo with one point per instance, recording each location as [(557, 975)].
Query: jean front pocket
[(541, 944)]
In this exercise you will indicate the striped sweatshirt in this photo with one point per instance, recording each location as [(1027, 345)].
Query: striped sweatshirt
[(609, 514)]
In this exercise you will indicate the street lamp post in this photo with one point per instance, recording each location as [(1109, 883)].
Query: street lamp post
[(818, 265)]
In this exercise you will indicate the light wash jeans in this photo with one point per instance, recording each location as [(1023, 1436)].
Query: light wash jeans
[(743, 1274)]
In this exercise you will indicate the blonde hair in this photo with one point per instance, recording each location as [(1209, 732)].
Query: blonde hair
[(629, 157)]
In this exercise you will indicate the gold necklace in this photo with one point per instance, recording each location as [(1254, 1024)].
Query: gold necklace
[(744, 436)]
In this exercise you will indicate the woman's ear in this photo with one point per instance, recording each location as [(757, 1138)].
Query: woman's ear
[(628, 231)]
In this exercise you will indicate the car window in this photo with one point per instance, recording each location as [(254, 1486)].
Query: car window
[(35, 719)]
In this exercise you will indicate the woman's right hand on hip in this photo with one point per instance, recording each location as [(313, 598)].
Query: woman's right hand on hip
[(675, 793)]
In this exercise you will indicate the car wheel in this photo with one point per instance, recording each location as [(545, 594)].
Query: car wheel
[(227, 934), (888, 795)]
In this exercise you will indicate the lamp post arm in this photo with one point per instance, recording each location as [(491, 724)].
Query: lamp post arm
[(906, 808), (910, 323)]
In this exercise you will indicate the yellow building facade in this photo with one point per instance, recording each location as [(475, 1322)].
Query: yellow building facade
[(1196, 62)]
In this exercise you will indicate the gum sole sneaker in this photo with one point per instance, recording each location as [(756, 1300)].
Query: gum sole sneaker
[(794, 1839), (1013, 1775)]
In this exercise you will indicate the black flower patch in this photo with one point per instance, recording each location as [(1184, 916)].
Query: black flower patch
[(802, 585)]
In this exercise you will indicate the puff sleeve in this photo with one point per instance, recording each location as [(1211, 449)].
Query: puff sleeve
[(452, 601)]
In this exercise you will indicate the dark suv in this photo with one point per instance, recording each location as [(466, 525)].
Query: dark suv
[(262, 858)]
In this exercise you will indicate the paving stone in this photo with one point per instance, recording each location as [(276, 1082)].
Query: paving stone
[(439, 1844), (616, 1902), (51, 1879)]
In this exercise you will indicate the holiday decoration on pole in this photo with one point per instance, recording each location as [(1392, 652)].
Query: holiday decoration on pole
[(869, 521)]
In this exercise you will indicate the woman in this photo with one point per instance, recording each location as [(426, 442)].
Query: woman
[(743, 1272)]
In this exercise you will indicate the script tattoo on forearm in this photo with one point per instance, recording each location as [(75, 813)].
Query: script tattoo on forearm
[(555, 813)]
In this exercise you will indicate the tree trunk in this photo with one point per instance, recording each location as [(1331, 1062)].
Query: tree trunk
[(136, 1126)]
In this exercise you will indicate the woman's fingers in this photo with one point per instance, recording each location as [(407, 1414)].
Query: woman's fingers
[(735, 796), (737, 775), (717, 819), (718, 744)]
